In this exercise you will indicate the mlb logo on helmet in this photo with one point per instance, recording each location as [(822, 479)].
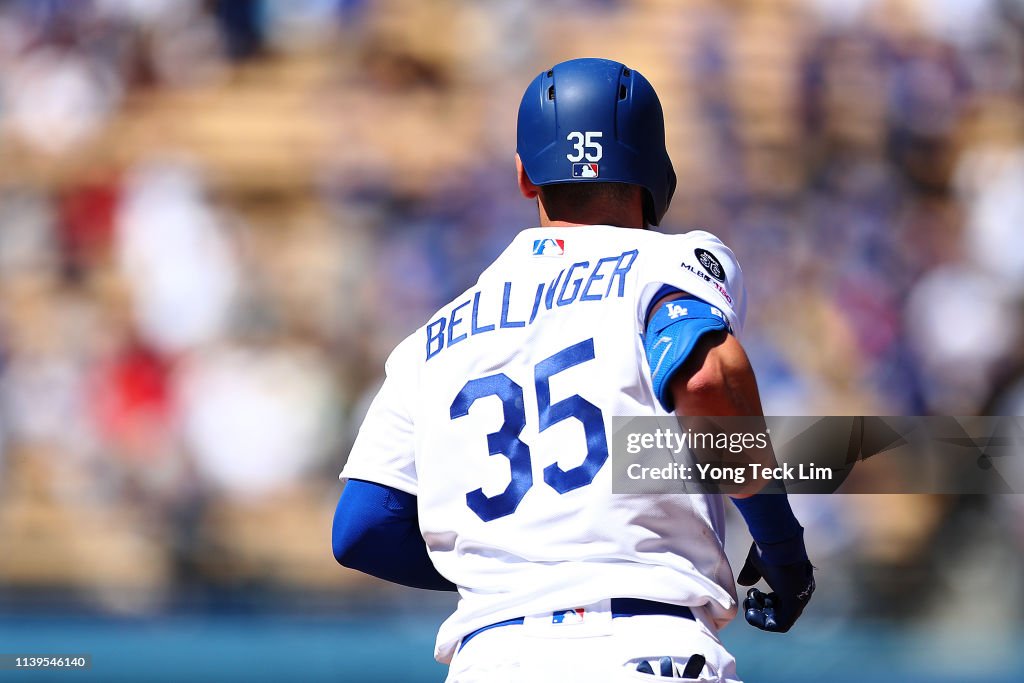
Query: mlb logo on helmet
[(584, 170), (548, 247)]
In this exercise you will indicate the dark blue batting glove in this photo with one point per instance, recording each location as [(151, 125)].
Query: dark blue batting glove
[(790, 578)]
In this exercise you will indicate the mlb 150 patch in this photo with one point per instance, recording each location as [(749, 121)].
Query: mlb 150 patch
[(585, 171), (710, 263)]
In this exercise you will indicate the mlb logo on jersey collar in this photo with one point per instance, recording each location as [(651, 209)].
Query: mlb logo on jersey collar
[(548, 247), (569, 616)]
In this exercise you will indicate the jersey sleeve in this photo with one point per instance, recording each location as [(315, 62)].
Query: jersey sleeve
[(385, 449), (699, 264)]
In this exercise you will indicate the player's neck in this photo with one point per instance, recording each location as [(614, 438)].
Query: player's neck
[(570, 224), (621, 219)]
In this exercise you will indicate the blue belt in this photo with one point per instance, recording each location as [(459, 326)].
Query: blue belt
[(621, 607)]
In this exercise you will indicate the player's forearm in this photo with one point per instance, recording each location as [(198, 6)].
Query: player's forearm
[(773, 526), (376, 531), (718, 381)]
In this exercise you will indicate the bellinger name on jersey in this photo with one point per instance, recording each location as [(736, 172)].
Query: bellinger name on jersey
[(582, 281)]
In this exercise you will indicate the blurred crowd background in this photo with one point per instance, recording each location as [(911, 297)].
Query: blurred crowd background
[(217, 218)]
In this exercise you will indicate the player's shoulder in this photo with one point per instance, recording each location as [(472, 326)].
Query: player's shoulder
[(697, 262), (684, 239), (698, 251), (408, 357), (402, 358)]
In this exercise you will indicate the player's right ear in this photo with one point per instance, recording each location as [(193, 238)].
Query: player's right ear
[(526, 187)]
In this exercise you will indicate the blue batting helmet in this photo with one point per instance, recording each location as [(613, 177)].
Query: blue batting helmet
[(595, 120)]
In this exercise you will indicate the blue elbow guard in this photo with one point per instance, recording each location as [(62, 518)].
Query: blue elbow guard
[(672, 333)]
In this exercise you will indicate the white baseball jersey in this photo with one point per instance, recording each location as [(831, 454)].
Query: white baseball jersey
[(497, 415)]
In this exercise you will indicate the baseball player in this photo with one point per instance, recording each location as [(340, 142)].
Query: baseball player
[(482, 464)]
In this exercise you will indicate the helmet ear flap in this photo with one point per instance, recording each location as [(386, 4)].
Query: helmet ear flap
[(650, 213), (671, 186)]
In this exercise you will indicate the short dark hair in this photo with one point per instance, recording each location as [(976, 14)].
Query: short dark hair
[(564, 200)]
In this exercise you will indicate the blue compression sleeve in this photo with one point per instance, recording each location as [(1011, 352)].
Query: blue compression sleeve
[(672, 334), (376, 531), (774, 527)]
